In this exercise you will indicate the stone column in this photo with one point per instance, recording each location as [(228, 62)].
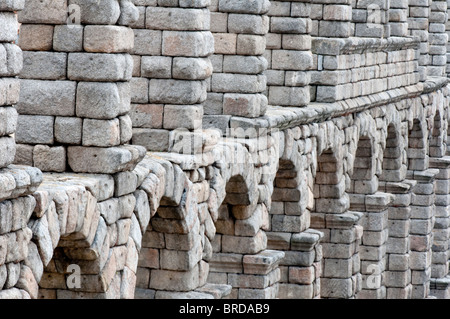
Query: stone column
[(171, 72), (398, 18), (371, 19), (75, 95), (421, 236), (418, 20), (238, 82), (290, 221), (398, 273), (342, 234), (440, 281), (438, 38), (289, 53)]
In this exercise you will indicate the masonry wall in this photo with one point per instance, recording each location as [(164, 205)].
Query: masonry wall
[(224, 149)]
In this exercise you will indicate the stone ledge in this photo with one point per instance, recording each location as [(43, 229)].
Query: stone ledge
[(100, 185), (306, 241), (262, 263), (425, 176), (440, 283), (216, 290), (343, 221), (434, 83), (278, 117), (442, 163), (353, 45), (17, 180), (397, 187)]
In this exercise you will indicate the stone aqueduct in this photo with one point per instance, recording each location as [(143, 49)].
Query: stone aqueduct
[(224, 149)]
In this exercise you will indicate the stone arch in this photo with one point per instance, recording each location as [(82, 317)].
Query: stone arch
[(329, 183), (171, 260), (362, 170), (240, 220), (375, 218), (240, 241), (234, 61), (330, 215), (84, 242), (56, 120)]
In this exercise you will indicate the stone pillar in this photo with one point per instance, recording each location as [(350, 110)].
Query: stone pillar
[(75, 95), (398, 18), (171, 74), (342, 235), (418, 20), (354, 58), (438, 38), (421, 235), (373, 247), (331, 20), (10, 64), (398, 273), (440, 281), (17, 280), (289, 53), (238, 82), (290, 220), (371, 19), (447, 30), (241, 258), (341, 256)]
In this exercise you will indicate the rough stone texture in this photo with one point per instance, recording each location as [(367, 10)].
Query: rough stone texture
[(282, 149)]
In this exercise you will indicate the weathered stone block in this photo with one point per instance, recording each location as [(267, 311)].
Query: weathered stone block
[(35, 129), (108, 39), (91, 67), (49, 159), (47, 97), (104, 160)]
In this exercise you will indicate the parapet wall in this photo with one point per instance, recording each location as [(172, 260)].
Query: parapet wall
[(224, 149)]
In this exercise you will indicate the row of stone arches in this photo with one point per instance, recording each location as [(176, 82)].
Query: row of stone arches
[(371, 196), (332, 223)]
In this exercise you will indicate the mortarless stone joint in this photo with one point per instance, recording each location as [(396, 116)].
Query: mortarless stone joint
[(224, 149)]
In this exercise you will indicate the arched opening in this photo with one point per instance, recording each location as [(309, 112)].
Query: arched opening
[(171, 258), (330, 215), (239, 245), (364, 184), (363, 179), (392, 170), (290, 233), (90, 252), (394, 280)]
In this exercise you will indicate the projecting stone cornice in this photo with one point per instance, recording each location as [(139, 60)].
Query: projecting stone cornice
[(352, 45)]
